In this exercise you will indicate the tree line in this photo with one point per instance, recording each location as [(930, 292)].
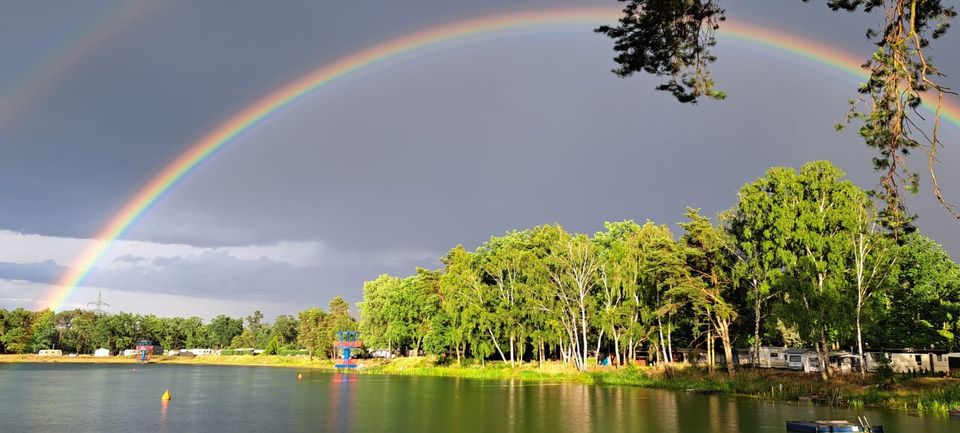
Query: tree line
[(80, 331), (801, 260)]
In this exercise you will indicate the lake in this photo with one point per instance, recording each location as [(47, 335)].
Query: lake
[(126, 398)]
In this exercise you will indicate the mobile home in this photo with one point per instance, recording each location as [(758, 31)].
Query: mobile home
[(771, 357), (906, 360)]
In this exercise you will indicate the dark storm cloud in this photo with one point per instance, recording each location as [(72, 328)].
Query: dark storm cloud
[(45, 272), (417, 155), (136, 101), (220, 275)]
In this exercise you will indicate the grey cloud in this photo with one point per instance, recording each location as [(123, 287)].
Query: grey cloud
[(46, 271), (127, 258), (219, 275)]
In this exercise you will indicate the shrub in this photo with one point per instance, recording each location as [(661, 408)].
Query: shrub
[(884, 376)]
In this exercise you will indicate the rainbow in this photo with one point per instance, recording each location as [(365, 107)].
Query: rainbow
[(328, 73), (58, 61)]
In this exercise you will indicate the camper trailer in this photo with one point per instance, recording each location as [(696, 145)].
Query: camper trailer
[(908, 360), (796, 358), (771, 357)]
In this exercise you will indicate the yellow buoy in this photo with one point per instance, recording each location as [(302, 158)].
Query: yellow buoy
[(166, 395), (299, 376)]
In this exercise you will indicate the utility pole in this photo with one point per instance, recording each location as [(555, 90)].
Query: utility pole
[(98, 306)]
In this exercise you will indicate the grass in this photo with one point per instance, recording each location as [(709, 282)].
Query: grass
[(924, 395)]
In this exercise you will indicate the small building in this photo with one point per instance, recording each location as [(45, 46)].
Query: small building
[(50, 352), (101, 353)]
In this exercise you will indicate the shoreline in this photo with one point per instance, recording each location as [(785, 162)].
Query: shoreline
[(923, 395)]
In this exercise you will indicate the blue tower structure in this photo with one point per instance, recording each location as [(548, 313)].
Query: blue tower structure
[(347, 342)]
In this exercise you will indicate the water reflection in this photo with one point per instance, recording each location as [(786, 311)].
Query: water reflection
[(111, 399), (341, 403)]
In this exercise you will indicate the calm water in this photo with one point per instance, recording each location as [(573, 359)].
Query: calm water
[(119, 398)]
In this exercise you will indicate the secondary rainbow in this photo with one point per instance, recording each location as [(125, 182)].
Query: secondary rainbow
[(74, 49), (547, 18)]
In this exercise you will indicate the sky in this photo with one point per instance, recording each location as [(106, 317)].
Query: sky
[(389, 168)]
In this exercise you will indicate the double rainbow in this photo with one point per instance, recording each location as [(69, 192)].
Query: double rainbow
[(549, 18)]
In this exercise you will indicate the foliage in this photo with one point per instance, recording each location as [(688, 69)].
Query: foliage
[(675, 38), (798, 253), (883, 376), (273, 347), (670, 38), (796, 256)]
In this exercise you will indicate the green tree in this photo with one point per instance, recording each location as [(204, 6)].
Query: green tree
[(618, 301), (194, 333), (222, 330), (459, 289), (285, 329), (311, 332), (571, 266), (16, 337), (338, 319), (709, 287), (378, 316), (874, 259), (804, 221), (273, 346), (43, 330), (505, 261), (922, 310)]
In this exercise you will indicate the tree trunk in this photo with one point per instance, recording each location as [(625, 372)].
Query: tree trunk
[(727, 350), (497, 345), (512, 340), (863, 365), (669, 342), (824, 356), (599, 341), (616, 348), (710, 351), (583, 326), (662, 343), (756, 327), (540, 354)]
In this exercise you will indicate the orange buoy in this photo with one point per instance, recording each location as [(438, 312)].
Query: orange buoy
[(166, 395)]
